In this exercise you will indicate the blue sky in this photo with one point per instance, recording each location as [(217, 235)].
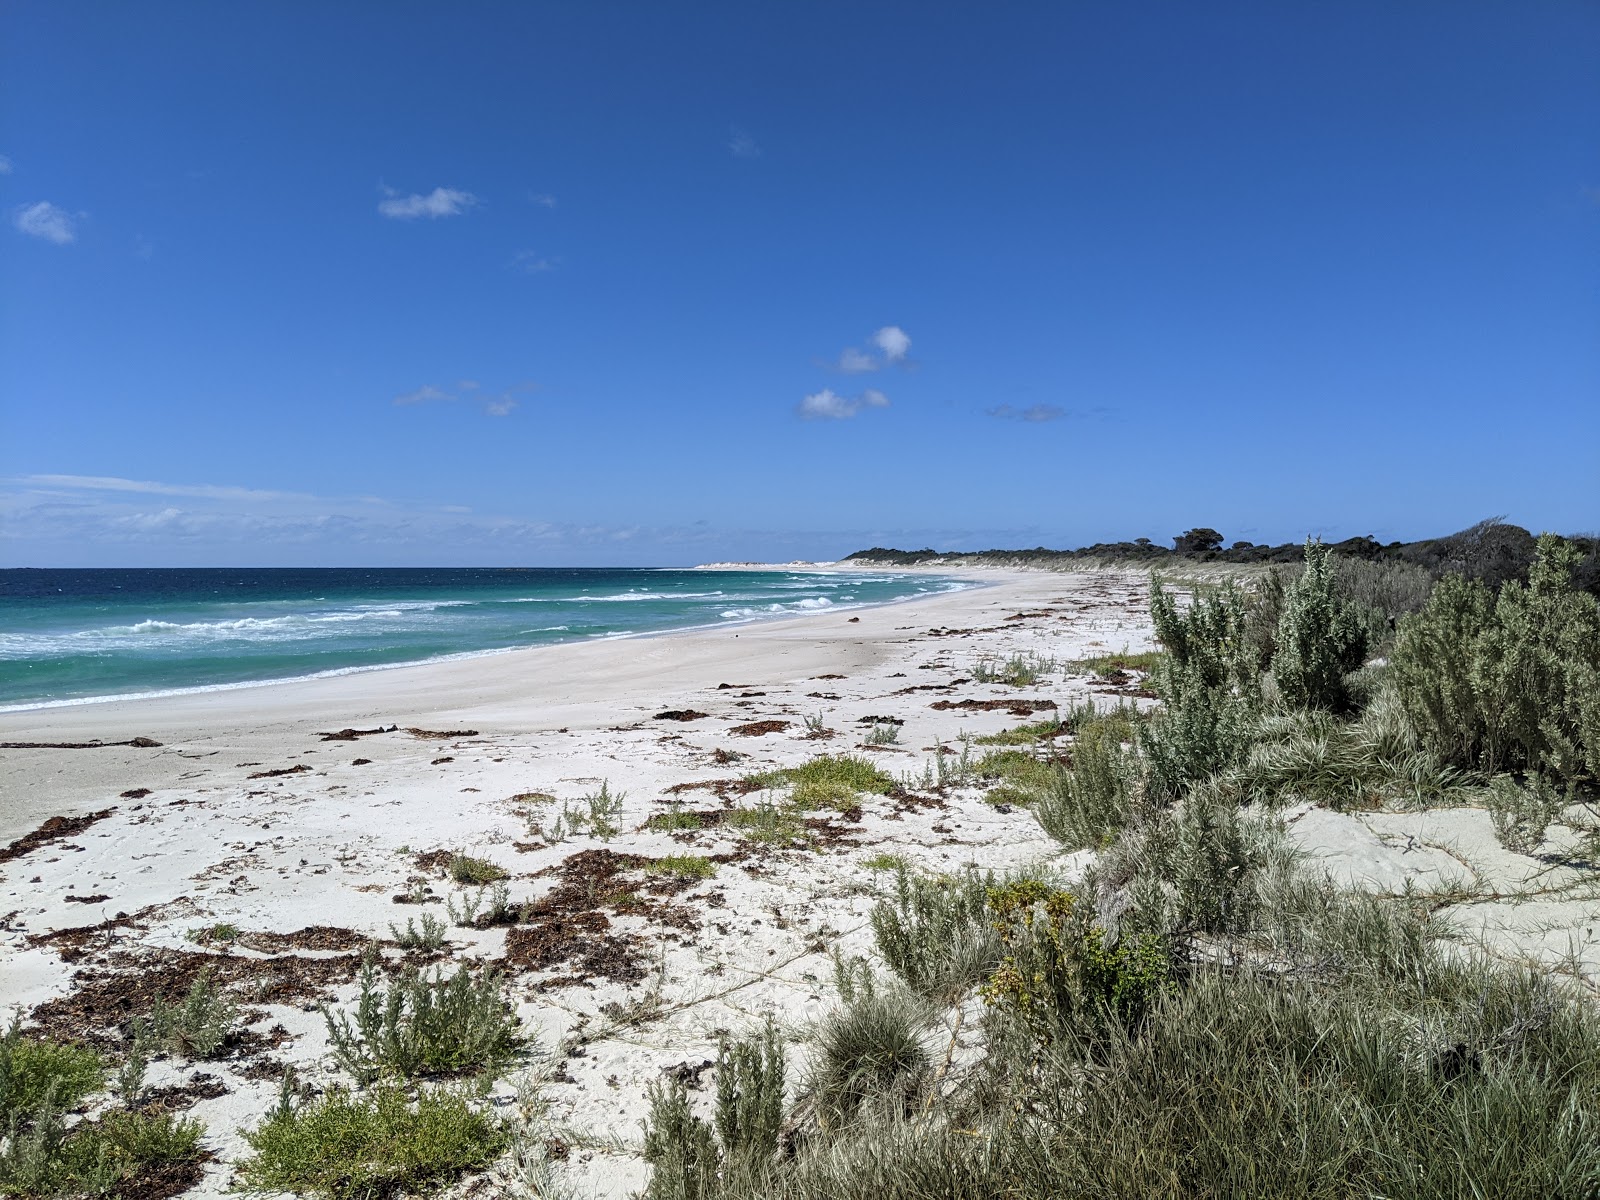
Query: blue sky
[(606, 283)]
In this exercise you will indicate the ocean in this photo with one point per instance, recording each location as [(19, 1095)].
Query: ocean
[(74, 636)]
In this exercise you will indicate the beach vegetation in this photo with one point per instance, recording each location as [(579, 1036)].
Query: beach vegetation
[(1202, 1013), (883, 735), (1029, 734), (827, 781), (35, 1072), (1016, 670), (767, 822), (205, 935), (870, 1052), (430, 937), (1110, 666), (936, 932), (694, 1158), (673, 820), (198, 1026), (884, 861), (109, 1156), (682, 866), (424, 1025), (475, 872), (349, 1146)]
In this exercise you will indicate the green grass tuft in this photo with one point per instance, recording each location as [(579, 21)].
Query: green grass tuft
[(33, 1071), (828, 781), (684, 866), (476, 871)]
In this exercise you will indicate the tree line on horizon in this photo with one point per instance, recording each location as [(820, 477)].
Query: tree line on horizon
[(1492, 551)]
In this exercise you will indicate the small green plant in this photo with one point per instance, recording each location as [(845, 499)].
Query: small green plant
[(766, 822), (96, 1158), (673, 820), (356, 1147), (429, 937), (476, 872), (603, 810), (1521, 813), (885, 862), (1026, 735), (485, 909), (423, 1025), (196, 1027), (1106, 665), (205, 935), (816, 726), (935, 933), (1019, 670), (883, 735), (682, 866), (34, 1072), (691, 1162), (1060, 974), (827, 781)]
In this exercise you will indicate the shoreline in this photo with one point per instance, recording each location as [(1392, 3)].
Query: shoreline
[(464, 655)]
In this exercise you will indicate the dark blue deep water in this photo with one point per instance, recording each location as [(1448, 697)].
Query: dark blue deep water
[(69, 636)]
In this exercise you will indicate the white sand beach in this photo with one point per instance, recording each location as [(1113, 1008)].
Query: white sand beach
[(245, 815)]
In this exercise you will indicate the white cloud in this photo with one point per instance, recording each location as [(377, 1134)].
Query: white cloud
[(112, 483), (829, 405), (45, 220), (425, 394), (543, 199), (1033, 413), (893, 341), (742, 145), (441, 202), (5, 165), (498, 404), (531, 262)]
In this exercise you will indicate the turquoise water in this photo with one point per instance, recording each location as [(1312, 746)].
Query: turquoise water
[(73, 636)]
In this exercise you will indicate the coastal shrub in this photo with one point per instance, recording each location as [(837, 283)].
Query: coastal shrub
[(423, 1025), (1507, 683), (34, 1072), (1061, 976), (205, 935), (1521, 813), (1085, 807), (1319, 641), (935, 932), (1200, 729), (477, 872), (484, 909), (692, 1158), (1206, 642), (1026, 735), (198, 1026), (106, 1157), (360, 1147), (1105, 665), (883, 735)]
